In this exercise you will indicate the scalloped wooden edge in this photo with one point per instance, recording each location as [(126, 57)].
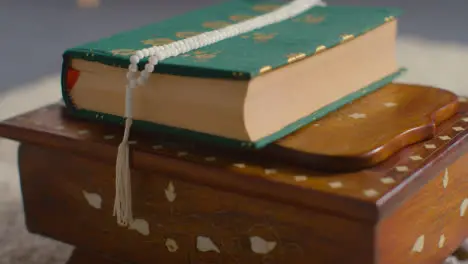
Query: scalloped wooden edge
[(376, 155)]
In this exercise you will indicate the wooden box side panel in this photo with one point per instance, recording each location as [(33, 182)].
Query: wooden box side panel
[(431, 225), (70, 198)]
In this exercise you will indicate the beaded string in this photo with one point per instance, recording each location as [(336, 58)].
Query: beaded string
[(156, 54)]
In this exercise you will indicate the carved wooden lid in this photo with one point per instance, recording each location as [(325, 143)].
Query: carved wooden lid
[(366, 194)]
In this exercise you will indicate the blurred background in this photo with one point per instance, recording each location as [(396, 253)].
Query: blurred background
[(432, 44), (33, 33)]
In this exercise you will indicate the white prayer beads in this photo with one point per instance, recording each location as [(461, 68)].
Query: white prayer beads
[(156, 54)]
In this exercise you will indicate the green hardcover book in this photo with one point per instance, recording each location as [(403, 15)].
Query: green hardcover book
[(249, 90)]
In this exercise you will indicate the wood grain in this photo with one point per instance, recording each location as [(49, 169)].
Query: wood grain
[(369, 130), (367, 194), (168, 209), (183, 192), (431, 224), (70, 198)]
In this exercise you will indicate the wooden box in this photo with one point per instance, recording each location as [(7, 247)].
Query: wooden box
[(195, 204)]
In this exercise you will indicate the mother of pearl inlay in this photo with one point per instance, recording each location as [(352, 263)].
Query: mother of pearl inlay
[(371, 193), (171, 245), (170, 192), (210, 159), (141, 226), (402, 168), (463, 207), (83, 132), (335, 185), (387, 180), (390, 104), (261, 246), (205, 244), (445, 179), (445, 138), (300, 178), (430, 146), (358, 116), (419, 244), (416, 158), (240, 165), (441, 241), (109, 137), (93, 199)]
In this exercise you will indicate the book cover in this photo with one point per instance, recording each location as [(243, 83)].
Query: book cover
[(243, 57)]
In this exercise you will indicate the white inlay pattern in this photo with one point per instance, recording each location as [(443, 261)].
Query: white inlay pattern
[(419, 244), (416, 158), (93, 199), (261, 246), (463, 207), (270, 171), (83, 132), (205, 244), (358, 116), (141, 226), (59, 128), (442, 240), (182, 154), (109, 137), (170, 192), (371, 193), (390, 104), (171, 245), (402, 168), (445, 138), (156, 147), (300, 178), (465, 119), (458, 129), (240, 165), (335, 185), (387, 180), (210, 159), (430, 146), (445, 179)]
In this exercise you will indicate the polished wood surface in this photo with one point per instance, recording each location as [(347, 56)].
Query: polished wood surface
[(196, 205), (70, 198), (173, 215), (366, 194), (371, 129), (431, 224), (363, 133)]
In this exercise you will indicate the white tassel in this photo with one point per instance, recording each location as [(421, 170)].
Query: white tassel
[(123, 194), (123, 186)]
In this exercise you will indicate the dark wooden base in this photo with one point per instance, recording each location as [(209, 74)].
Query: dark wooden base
[(84, 257), (197, 206)]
